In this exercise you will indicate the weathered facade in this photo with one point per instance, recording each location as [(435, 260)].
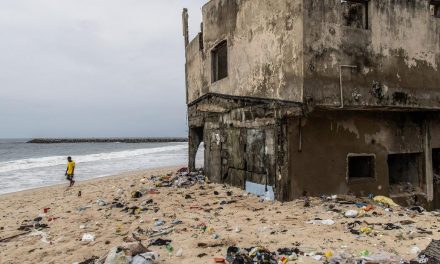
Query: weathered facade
[(318, 96)]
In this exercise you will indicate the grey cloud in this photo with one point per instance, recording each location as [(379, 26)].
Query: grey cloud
[(93, 67)]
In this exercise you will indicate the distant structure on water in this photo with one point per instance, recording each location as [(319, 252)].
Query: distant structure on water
[(105, 140)]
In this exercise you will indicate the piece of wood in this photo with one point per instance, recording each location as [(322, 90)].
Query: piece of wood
[(7, 239)]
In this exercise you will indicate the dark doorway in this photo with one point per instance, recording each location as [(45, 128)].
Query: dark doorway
[(404, 172)]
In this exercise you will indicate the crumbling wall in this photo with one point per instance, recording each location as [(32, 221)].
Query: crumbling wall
[(397, 54), (264, 40), (244, 141), (320, 143)]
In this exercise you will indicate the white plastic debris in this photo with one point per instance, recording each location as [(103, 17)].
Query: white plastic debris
[(44, 236), (351, 213), (292, 257), (415, 250), (179, 253), (117, 256), (146, 258), (101, 202), (322, 222), (328, 222), (87, 237)]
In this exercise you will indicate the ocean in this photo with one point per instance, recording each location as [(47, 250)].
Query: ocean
[(25, 166)]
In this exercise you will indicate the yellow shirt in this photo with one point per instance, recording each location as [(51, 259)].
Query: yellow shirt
[(70, 167)]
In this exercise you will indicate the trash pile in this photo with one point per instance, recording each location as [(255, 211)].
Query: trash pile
[(182, 178), (257, 255), (128, 253), (34, 227), (431, 255), (260, 255)]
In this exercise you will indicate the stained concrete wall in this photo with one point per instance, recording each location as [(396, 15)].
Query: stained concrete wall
[(195, 85), (293, 51), (319, 146), (235, 155), (264, 49), (243, 140), (398, 56)]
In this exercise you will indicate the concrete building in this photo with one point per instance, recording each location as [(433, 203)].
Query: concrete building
[(318, 97)]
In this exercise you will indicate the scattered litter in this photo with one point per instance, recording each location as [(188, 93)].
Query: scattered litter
[(328, 222), (159, 223), (364, 253), (431, 254), (384, 200), (101, 202), (87, 237), (160, 242), (391, 226), (181, 179), (323, 222), (366, 230), (82, 209), (44, 237), (145, 258), (418, 209), (415, 250), (89, 261), (169, 248), (176, 222), (136, 194), (264, 191), (179, 253), (351, 213)]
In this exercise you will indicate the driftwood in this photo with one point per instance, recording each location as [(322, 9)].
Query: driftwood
[(7, 239)]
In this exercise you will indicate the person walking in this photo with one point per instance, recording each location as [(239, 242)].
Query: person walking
[(70, 171)]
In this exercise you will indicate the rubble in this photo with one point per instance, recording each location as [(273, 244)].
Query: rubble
[(182, 178)]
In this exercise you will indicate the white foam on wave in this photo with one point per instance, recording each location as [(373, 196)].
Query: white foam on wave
[(32, 163)]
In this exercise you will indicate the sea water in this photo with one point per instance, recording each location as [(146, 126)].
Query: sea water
[(24, 166)]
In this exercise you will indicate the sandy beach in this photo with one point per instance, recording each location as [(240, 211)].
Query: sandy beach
[(231, 217)]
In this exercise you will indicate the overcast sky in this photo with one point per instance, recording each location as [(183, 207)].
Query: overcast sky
[(79, 68)]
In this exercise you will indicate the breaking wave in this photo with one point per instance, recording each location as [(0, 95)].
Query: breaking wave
[(32, 163)]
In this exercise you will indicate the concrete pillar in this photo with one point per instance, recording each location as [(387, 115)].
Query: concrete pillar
[(428, 163), (185, 26)]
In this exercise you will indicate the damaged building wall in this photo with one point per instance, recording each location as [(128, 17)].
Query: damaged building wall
[(239, 146), (290, 64), (249, 26), (244, 141), (396, 51), (195, 85), (321, 144)]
